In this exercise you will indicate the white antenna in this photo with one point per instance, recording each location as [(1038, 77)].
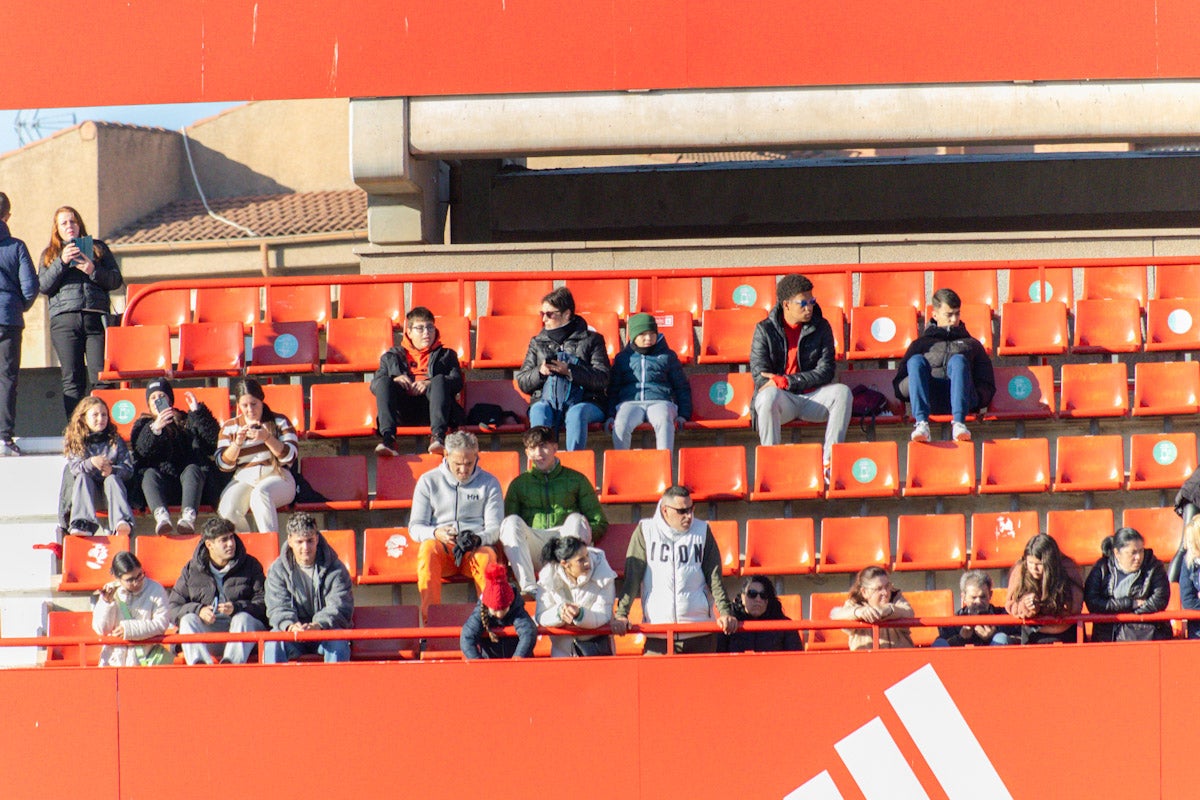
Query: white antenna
[(33, 125)]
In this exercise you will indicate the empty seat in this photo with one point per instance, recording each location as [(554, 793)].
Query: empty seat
[(385, 617), (164, 557), (396, 479), (930, 541), (455, 333), (582, 461), (1080, 532), (1032, 329), (714, 473), (608, 326), (263, 545), (635, 476), (596, 295), (793, 607), (864, 469), (381, 299), (820, 606), (831, 290), (236, 304), (998, 539), (756, 292), (678, 332), (389, 556), (837, 324), (615, 544), (940, 468), (881, 332), (721, 399), (298, 303), (1177, 280), (725, 532), (849, 544), (345, 545), (286, 399), (1173, 325), (71, 623), (133, 353), (284, 348), (1161, 460), (788, 472), (504, 393), (1056, 284), (1015, 466), (725, 335), (86, 561), (340, 410), (216, 398), (355, 345), (933, 603), (631, 644), (501, 342), (971, 285), (445, 615), (1162, 529), (445, 297), (670, 294), (1089, 464), (516, 298), (1022, 393), (1108, 326), (1094, 390), (340, 480), (170, 307), (881, 381), (892, 289), (779, 547), (504, 464), (211, 349), (1111, 283)]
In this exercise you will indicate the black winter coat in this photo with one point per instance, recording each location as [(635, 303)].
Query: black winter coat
[(744, 641), (938, 345), (815, 352), (71, 290), (245, 585), (177, 446), (1151, 585), (590, 372), (442, 361)]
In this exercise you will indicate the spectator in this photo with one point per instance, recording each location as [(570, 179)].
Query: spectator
[(498, 607), (132, 607), (19, 290), (873, 598), (99, 463), (77, 274), (308, 589), (258, 446), (945, 370), (1045, 583), (172, 455), (545, 501), (221, 590), (674, 565), (792, 360), (455, 515), (565, 371), (975, 593), (577, 587), (757, 602), (416, 383), (648, 385), (1127, 579)]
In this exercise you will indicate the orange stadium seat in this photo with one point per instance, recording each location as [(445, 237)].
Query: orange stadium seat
[(263, 545), (864, 469), (341, 409), (341, 480), (631, 644), (70, 623), (878, 332), (600, 295), (720, 399), (384, 617), (837, 323), (1089, 464), (977, 318), (1177, 280), (849, 544), (1079, 532), (820, 606), (830, 289), (133, 353), (238, 304), (892, 289), (1094, 390), (881, 381), (1033, 329), (286, 399), (164, 557), (455, 333), (445, 297), (793, 608), (1172, 325), (284, 348), (780, 547), (124, 406), (971, 286), (608, 325), (635, 476), (1161, 460), (344, 543), (788, 472), (714, 473), (86, 561), (170, 307), (930, 542), (930, 603), (725, 531), (211, 349), (501, 342), (1058, 285), (1023, 393), (445, 615), (725, 335), (516, 298), (503, 393), (582, 461), (504, 464), (389, 556), (1112, 283), (998, 539), (756, 292), (940, 468), (1162, 529), (679, 332), (670, 294), (1108, 326), (396, 479), (615, 544), (216, 398), (355, 345), (299, 303), (1015, 466), (383, 299)]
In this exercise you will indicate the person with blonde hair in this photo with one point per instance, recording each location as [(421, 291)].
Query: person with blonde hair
[(98, 464), (873, 598), (1189, 576)]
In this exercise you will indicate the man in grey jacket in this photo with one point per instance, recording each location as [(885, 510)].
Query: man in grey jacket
[(308, 589)]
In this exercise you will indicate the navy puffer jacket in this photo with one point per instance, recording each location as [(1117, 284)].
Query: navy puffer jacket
[(657, 375)]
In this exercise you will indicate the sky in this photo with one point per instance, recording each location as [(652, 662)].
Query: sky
[(52, 119)]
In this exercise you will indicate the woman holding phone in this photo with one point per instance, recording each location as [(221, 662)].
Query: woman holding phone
[(258, 446), (77, 273)]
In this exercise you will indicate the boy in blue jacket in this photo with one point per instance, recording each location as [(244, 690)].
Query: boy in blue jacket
[(647, 384)]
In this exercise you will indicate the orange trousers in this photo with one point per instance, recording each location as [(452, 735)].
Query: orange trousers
[(435, 561)]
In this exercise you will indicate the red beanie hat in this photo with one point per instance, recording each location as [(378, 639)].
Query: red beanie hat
[(497, 593)]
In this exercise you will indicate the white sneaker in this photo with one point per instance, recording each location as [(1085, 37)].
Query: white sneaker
[(387, 449), (920, 431), (187, 522), (162, 521), (959, 432)]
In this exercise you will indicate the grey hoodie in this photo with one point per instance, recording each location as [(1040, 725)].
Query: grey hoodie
[(475, 505)]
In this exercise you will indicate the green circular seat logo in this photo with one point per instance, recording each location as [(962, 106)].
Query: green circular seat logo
[(864, 470), (1165, 453), (123, 412), (721, 393), (744, 295), (1020, 387)]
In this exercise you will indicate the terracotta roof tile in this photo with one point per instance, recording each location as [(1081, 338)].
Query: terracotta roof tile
[(266, 215)]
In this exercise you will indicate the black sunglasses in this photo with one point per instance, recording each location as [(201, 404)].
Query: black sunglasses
[(755, 594)]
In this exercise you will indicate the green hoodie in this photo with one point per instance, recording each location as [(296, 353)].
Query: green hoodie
[(544, 499)]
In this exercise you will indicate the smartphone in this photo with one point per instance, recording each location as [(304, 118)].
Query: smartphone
[(86, 246), (161, 404)]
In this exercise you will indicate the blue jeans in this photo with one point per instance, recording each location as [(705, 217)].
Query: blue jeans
[(282, 652), (576, 420), (929, 395)]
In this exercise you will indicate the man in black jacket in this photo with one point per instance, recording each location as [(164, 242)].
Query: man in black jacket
[(792, 361), (416, 384), (945, 370)]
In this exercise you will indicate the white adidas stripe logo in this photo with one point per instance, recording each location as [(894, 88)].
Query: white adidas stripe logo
[(947, 743)]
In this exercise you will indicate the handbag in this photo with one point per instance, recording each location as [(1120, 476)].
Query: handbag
[(867, 404), (154, 656)]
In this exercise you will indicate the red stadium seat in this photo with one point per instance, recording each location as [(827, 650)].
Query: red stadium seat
[(284, 348), (455, 333), (71, 623), (1058, 285), (86, 561), (263, 545), (940, 468), (445, 615), (670, 294), (211, 349), (977, 318), (299, 303), (383, 299), (1172, 325), (635, 476), (615, 544), (837, 323), (725, 335), (216, 398), (170, 307), (608, 326), (849, 544), (600, 295), (1080, 532), (1033, 329), (1111, 283), (238, 304), (396, 479), (1162, 529), (516, 298), (878, 332), (1015, 466), (503, 393), (341, 410), (720, 399), (501, 342), (725, 531), (932, 603), (286, 399), (714, 473), (134, 353), (831, 290), (445, 298), (164, 557), (864, 469), (971, 286), (820, 606), (788, 472), (1166, 387), (793, 607), (355, 345), (389, 556), (679, 332), (881, 381), (757, 292), (1089, 464), (1022, 393), (582, 461), (341, 480), (504, 464), (1108, 326), (1177, 280), (930, 542), (344, 543), (1161, 460), (998, 539), (780, 547), (892, 289), (1094, 390), (124, 406), (631, 644), (384, 617)]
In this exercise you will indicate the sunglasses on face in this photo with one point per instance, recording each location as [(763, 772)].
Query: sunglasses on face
[(755, 594), (804, 303)]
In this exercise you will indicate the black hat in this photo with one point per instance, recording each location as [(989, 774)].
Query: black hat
[(160, 385)]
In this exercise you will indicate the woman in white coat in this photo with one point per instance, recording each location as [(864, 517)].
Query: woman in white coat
[(576, 590), (133, 607)]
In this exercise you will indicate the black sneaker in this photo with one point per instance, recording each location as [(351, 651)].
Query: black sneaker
[(9, 448)]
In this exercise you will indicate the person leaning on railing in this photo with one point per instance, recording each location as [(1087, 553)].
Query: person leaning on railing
[(873, 598), (1045, 583), (1128, 579)]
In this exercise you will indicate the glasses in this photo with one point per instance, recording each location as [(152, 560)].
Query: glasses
[(552, 314), (755, 594), (803, 303), (683, 512), (421, 328)]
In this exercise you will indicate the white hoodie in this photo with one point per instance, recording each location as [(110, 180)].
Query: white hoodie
[(593, 593), (150, 619)]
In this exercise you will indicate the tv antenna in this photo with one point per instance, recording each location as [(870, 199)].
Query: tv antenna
[(31, 125)]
